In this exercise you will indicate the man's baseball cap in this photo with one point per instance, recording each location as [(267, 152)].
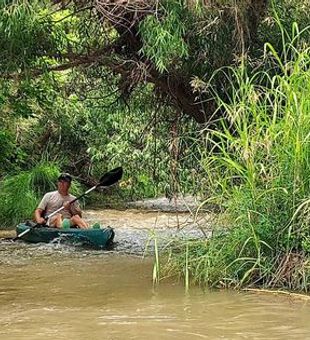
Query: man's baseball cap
[(65, 177)]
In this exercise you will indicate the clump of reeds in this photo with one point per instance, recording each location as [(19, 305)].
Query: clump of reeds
[(259, 170), (20, 193)]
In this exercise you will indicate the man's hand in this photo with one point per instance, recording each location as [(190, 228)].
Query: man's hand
[(67, 205), (41, 220), (38, 216)]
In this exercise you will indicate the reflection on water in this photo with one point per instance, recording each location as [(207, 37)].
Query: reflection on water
[(58, 292)]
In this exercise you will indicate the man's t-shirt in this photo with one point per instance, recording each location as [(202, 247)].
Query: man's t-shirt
[(54, 200)]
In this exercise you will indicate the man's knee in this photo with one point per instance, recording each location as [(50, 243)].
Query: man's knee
[(75, 218), (56, 221)]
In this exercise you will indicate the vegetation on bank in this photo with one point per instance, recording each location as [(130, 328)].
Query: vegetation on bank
[(259, 171), (86, 87)]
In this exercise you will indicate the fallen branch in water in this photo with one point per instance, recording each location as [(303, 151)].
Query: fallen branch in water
[(294, 295)]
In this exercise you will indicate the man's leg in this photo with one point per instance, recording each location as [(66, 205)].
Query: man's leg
[(77, 220), (56, 221)]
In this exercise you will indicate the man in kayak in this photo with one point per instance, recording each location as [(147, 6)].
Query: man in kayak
[(70, 216)]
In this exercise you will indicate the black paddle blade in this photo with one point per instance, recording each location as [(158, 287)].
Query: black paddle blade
[(111, 177)]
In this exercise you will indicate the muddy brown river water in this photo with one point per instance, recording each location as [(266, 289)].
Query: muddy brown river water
[(52, 291)]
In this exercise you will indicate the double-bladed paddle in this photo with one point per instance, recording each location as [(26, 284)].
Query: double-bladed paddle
[(106, 180)]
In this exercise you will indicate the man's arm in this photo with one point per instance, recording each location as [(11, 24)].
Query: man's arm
[(40, 209), (38, 216), (73, 208)]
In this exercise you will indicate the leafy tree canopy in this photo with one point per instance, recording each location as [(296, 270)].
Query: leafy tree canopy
[(171, 44)]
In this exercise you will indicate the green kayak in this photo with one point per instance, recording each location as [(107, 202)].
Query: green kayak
[(97, 238)]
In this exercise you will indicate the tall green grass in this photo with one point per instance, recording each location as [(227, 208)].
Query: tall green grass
[(20, 194), (258, 168)]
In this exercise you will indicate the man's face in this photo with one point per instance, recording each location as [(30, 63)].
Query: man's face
[(63, 185)]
